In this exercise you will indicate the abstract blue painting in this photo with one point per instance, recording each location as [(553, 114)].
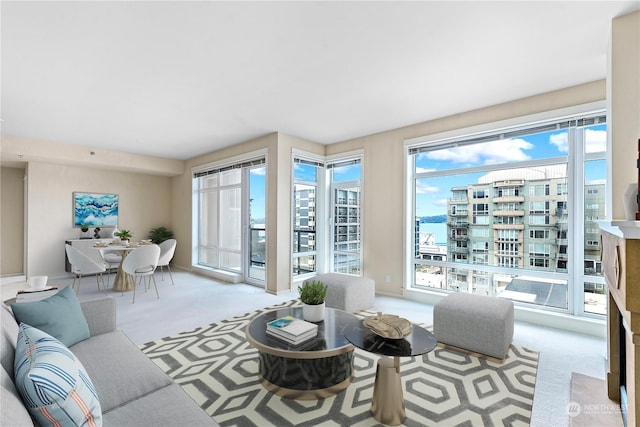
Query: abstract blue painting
[(95, 210)]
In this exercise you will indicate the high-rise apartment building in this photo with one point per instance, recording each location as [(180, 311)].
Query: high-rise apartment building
[(518, 218)]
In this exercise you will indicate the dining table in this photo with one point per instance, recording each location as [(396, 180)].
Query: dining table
[(123, 281)]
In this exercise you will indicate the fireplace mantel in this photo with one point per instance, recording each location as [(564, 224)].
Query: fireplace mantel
[(621, 265)]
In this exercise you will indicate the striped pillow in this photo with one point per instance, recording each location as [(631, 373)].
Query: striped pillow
[(53, 384)]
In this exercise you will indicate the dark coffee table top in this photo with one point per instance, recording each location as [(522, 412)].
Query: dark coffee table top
[(330, 340), (419, 341)]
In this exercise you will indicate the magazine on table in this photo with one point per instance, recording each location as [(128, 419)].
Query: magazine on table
[(291, 340), (30, 295), (291, 328)]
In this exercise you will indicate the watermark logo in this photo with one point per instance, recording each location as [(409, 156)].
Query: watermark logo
[(573, 409)]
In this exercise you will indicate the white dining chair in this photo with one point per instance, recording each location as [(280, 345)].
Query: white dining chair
[(111, 259), (167, 249), (140, 263), (81, 265)]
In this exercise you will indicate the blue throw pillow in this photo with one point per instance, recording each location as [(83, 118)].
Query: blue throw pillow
[(53, 384), (59, 315)]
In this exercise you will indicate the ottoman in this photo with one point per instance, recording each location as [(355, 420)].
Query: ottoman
[(475, 322), (346, 292)]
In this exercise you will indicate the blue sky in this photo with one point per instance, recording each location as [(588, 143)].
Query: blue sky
[(302, 171), (432, 193), (257, 192)]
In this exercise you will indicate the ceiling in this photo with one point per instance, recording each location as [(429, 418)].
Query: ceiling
[(179, 79)]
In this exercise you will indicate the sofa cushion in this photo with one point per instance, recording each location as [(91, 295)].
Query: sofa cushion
[(9, 398), (120, 371), (59, 315), (168, 406), (53, 385)]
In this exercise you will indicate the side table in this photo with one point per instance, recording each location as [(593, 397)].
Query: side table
[(387, 405)]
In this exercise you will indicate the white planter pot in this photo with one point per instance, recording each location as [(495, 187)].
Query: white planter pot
[(313, 313)]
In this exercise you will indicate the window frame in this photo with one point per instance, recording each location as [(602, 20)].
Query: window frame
[(243, 162), (575, 163), (299, 156), (356, 157)]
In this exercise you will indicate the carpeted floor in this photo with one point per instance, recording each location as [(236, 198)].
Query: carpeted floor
[(218, 368), (590, 406)]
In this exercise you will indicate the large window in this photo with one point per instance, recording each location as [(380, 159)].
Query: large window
[(219, 237), (511, 211), (345, 216), (327, 214), (306, 193), (229, 198)]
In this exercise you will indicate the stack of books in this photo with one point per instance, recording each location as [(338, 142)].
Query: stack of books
[(30, 295), (292, 330)]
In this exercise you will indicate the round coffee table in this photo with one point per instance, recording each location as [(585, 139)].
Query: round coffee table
[(315, 369), (387, 405)]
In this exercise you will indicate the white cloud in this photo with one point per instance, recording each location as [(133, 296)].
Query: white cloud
[(560, 140), (595, 140), (441, 202), (423, 188), (596, 181), (424, 170), (499, 151)]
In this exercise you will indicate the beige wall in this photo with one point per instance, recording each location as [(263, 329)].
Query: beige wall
[(623, 98), (12, 221), (144, 200)]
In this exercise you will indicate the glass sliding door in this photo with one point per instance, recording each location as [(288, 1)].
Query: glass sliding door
[(231, 219)]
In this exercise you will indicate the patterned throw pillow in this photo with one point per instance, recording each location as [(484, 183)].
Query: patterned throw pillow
[(53, 384)]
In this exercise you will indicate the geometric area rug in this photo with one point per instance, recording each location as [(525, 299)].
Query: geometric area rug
[(218, 368)]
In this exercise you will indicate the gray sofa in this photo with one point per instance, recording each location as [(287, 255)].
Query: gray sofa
[(132, 390)]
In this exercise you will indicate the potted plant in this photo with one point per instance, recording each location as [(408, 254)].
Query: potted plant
[(124, 235), (312, 295), (85, 232), (160, 234)]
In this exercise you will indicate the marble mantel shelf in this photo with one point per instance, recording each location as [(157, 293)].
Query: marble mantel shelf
[(621, 228)]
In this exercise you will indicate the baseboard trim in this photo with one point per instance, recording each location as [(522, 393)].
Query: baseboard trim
[(225, 276), (14, 278)]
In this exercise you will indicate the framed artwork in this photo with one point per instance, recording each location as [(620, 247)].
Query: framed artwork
[(95, 210)]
